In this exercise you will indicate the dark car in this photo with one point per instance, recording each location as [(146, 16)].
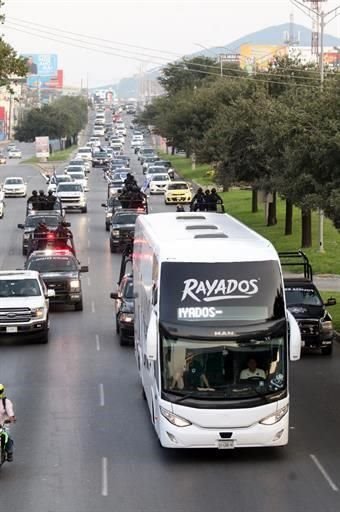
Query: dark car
[(307, 306), (111, 206), (100, 158), (122, 228), (124, 310), (60, 271), (52, 219)]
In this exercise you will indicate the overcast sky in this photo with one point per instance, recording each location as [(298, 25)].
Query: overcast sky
[(164, 28)]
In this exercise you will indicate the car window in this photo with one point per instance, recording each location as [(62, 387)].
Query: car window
[(296, 295), (19, 288), (51, 221), (69, 187), (128, 290), (178, 186), (126, 218)]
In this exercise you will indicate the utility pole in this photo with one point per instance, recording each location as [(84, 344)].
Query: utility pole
[(322, 19)]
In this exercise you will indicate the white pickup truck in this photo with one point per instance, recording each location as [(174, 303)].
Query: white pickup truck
[(24, 305)]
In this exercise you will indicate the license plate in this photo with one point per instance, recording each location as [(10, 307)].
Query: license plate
[(12, 328), (227, 444)]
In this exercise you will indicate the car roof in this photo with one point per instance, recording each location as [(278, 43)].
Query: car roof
[(52, 253), (19, 274)]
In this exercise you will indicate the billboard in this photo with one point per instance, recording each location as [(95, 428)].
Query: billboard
[(46, 82), (259, 54), (42, 147), (42, 69)]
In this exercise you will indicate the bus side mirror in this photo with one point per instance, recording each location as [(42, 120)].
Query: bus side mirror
[(152, 336), (294, 338)]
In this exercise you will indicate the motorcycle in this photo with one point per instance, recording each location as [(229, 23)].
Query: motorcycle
[(4, 433)]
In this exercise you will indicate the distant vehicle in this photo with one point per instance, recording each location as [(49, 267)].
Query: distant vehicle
[(111, 206), (55, 180), (155, 169), (177, 192), (122, 228), (307, 306), (211, 332), (72, 196), (15, 187), (3, 159), (100, 158), (99, 131), (81, 162), (158, 183), (85, 153), (124, 310), (14, 153), (52, 219), (78, 177)]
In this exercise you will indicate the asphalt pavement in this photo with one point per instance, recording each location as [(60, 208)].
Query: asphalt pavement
[(84, 440)]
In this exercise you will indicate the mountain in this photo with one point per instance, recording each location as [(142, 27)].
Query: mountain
[(274, 35)]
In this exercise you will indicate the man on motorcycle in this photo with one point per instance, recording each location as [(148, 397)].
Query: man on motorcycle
[(7, 415)]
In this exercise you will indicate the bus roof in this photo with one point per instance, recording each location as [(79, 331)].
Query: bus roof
[(203, 237)]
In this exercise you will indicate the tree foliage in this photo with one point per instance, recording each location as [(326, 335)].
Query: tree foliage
[(63, 118)]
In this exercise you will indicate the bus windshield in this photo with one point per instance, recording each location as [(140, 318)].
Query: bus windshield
[(223, 369)]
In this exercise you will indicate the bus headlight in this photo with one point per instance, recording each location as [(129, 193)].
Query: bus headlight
[(174, 419), (276, 417)]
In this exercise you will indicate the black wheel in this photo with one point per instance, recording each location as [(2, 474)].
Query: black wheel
[(122, 341), (143, 393), (113, 248), (107, 227), (117, 326), (24, 251), (84, 210), (327, 351), (78, 306)]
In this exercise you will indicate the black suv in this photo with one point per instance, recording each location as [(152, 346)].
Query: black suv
[(124, 310), (122, 228), (60, 271), (51, 218), (111, 206), (306, 304)]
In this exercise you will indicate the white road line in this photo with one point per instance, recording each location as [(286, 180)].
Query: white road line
[(101, 395), (88, 260), (324, 473), (89, 281), (93, 307), (97, 342), (89, 243), (104, 477)]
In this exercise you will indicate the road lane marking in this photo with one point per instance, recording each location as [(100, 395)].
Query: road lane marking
[(89, 281), (88, 260), (93, 307), (101, 395), (97, 342), (89, 243), (324, 473), (104, 477)]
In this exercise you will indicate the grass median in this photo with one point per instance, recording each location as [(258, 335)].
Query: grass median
[(57, 156), (238, 204)]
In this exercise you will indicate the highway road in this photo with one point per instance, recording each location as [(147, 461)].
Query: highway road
[(84, 440)]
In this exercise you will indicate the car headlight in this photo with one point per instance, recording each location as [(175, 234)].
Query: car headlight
[(127, 317), (172, 418), (327, 326), (276, 417), (26, 236), (109, 214), (115, 232), (38, 312), (74, 284)]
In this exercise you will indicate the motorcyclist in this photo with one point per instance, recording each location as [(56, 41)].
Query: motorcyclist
[(33, 201), (198, 201), (50, 200), (7, 415)]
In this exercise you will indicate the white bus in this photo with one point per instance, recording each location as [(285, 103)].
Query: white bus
[(213, 337)]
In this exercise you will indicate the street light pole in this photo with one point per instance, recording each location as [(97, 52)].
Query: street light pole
[(323, 18)]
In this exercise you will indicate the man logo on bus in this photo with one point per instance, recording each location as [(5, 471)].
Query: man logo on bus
[(219, 289)]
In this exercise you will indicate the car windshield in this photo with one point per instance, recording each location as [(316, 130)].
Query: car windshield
[(63, 178), (128, 290), (19, 288), (69, 187), (101, 154), (178, 186), (85, 151), (126, 218), (14, 181), (77, 175), (77, 162), (75, 168), (53, 264), (223, 370), (51, 221), (116, 183), (156, 170), (160, 177), (297, 295)]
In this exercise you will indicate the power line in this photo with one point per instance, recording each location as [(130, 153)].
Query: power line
[(47, 29), (59, 39)]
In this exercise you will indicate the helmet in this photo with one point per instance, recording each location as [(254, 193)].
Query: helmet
[(50, 192), (200, 190), (2, 391), (34, 193), (41, 193), (213, 190)]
